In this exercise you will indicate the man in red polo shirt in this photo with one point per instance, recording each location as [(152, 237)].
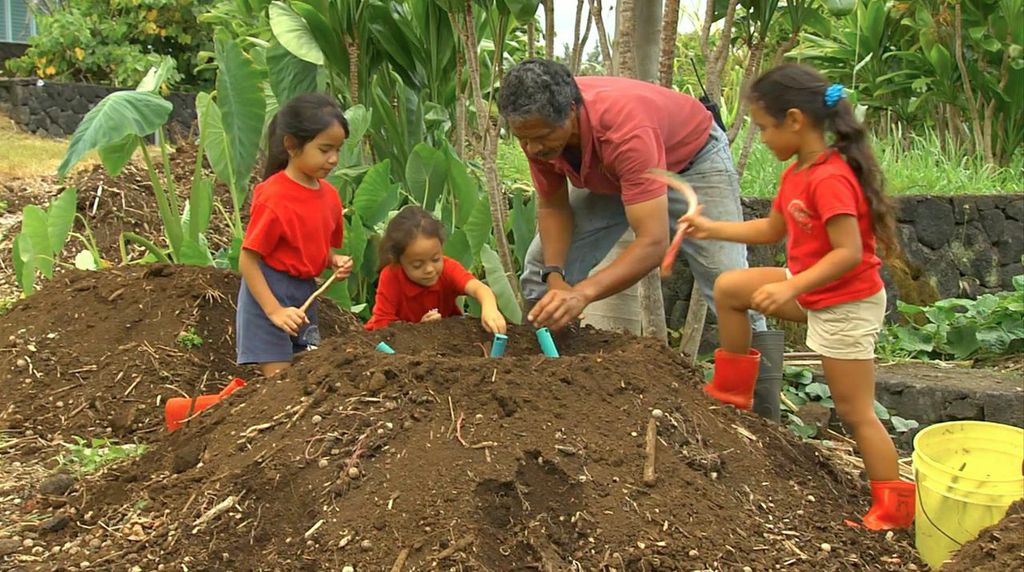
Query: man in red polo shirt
[(602, 135)]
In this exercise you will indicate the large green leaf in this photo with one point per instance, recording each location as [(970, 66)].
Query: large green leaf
[(119, 114), (375, 195), (289, 75), (355, 240), (962, 340), (522, 10), (499, 283), (358, 122), (24, 267), (425, 175), (478, 227), (200, 207), (35, 240), (195, 252), (216, 140), (464, 188), (329, 41), (157, 75), (117, 154), (457, 247), (524, 224), (60, 217), (242, 107), (294, 34)]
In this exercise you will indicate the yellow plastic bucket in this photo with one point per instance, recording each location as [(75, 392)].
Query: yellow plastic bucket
[(967, 473)]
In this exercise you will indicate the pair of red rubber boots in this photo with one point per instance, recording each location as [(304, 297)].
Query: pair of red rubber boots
[(892, 502)]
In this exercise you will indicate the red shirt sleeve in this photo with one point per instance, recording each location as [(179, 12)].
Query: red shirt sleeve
[(632, 158), (546, 179), (456, 275), (385, 306), (264, 230), (833, 196)]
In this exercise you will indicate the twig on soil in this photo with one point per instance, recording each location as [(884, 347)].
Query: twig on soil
[(403, 555), (214, 512), (312, 530), (484, 445), (132, 386), (63, 389), (451, 410), (462, 544), (182, 393), (458, 430), (84, 369), (651, 446)]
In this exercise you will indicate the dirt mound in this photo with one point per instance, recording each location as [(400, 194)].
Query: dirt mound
[(440, 457), (997, 548), (96, 353)]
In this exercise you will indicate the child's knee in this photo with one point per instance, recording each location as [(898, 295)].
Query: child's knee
[(730, 289), (854, 417)]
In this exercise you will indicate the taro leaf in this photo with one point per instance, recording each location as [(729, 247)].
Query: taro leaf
[(116, 116), (499, 283)]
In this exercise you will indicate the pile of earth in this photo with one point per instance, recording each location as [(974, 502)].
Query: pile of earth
[(998, 548), (434, 457)]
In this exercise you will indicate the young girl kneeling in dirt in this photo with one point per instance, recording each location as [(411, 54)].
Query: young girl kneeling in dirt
[(295, 220), (418, 283), (830, 207)]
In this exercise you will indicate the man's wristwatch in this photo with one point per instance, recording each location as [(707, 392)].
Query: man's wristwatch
[(549, 270)]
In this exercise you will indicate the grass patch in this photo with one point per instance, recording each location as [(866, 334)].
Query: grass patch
[(26, 155), (923, 167), (85, 457)]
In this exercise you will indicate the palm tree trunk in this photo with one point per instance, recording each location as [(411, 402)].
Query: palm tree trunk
[(581, 51), (715, 63), (749, 73), (576, 36), (602, 37), (625, 38), (531, 38), (669, 34), (549, 29), (352, 45), (972, 103), (748, 145), (489, 151)]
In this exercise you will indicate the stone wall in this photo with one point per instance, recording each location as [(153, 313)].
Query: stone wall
[(960, 246), (55, 109)]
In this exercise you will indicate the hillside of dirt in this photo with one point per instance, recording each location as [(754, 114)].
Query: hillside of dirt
[(434, 457), (997, 548)]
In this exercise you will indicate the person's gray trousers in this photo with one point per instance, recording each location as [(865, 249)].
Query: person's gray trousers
[(599, 221)]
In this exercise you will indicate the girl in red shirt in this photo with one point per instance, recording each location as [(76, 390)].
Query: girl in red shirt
[(418, 283), (295, 220), (830, 208)]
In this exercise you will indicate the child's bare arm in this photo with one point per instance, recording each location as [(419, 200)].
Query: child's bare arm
[(758, 231), (288, 319), (491, 318)]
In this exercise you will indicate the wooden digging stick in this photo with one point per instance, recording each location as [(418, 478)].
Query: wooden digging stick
[(652, 444), (672, 180), (327, 284)]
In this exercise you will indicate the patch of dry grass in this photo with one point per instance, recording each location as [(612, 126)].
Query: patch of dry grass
[(26, 155)]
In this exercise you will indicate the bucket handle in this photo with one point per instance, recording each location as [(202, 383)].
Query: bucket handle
[(924, 511)]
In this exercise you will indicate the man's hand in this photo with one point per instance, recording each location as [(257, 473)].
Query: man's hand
[(342, 266), (431, 316), (768, 299), (289, 319), (558, 308)]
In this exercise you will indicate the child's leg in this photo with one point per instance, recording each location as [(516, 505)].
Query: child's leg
[(733, 291), (273, 368), (853, 390)]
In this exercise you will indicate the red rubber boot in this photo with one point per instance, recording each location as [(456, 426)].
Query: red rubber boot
[(892, 505), (735, 377)]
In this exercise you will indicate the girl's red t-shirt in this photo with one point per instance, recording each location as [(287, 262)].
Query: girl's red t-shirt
[(807, 199), (399, 299), (294, 227)]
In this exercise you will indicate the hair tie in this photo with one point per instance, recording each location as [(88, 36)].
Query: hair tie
[(833, 94)]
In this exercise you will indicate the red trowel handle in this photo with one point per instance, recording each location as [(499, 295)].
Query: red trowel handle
[(673, 181)]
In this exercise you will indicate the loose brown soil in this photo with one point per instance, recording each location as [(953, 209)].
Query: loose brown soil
[(998, 548), (437, 453)]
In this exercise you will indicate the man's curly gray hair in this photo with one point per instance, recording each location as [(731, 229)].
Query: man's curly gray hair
[(538, 88)]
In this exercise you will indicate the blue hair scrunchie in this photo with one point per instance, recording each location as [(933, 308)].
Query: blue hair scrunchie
[(833, 94)]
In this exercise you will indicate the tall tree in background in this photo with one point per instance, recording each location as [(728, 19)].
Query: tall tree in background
[(669, 34)]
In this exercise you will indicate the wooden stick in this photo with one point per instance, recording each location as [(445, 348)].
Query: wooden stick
[(652, 444), (400, 561), (327, 284)]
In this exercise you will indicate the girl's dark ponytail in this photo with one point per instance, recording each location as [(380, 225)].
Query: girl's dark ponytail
[(851, 139), (277, 155)]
